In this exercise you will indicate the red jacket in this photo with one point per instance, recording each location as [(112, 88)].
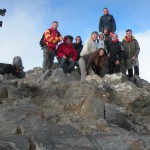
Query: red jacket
[(66, 50), (51, 38)]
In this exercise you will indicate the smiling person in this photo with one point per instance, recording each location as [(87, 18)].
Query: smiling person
[(115, 54), (66, 54), (95, 58), (132, 50), (89, 47)]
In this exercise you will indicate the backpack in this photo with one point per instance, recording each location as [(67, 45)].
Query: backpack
[(42, 43)]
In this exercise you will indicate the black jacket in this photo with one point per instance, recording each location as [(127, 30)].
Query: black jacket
[(116, 51), (107, 21), (78, 48), (107, 40)]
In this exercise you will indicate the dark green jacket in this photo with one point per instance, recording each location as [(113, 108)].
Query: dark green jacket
[(131, 48)]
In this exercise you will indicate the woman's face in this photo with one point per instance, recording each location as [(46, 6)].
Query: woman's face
[(101, 53), (101, 37), (68, 41)]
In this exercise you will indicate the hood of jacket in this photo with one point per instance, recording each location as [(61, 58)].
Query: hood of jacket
[(126, 39), (103, 36), (65, 40)]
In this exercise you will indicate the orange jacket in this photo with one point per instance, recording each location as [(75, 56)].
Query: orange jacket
[(51, 38)]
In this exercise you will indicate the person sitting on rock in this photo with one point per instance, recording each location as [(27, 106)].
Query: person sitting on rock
[(95, 58), (115, 54), (66, 54), (15, 69)]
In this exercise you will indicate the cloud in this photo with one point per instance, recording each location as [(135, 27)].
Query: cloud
[(20, 37), (144, 56)]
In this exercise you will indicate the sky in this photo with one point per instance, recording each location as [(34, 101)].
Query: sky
[(26, 20)]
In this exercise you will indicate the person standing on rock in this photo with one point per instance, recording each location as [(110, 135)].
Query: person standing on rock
[(107, 20), (89, 47), (96, 59), (115, 54), (66, 54), (51, 38), (108, 39), (132, 50)]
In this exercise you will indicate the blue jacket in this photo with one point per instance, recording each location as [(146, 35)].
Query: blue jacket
[(107, 21)]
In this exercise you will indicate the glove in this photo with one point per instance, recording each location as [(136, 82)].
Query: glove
[(54, 41), (51, 39), (56, 38)]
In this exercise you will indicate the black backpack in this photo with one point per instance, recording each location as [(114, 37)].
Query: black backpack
[(42, 43)]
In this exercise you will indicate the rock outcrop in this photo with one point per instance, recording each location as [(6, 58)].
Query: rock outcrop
[(53, 111)]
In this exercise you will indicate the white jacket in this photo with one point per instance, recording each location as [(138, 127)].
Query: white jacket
[(89, 46)]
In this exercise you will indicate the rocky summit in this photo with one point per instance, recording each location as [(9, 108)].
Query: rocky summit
[(54, 111)]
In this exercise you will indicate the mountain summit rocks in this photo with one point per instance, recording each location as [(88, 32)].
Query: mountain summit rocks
[(53, 111)]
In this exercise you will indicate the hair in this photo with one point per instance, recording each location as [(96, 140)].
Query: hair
[(94, 32), (105, 8), (129, 30), (99, 60), (69, 37), (78, 36), (54, 22)]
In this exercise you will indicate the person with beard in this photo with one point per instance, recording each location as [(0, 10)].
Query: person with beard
[(66, 54), (107, 20), (115, 54)]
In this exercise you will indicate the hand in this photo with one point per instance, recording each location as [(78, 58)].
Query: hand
[(133, 58), (51, 39), (70, 59), (108, 55), (54, 41), (64, 57), (117, 62), (56, 38)]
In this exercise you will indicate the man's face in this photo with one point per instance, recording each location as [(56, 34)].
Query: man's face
[(54, 25), (114, 37), (129, 34), (78, 40), (105, 11), (94, 36)]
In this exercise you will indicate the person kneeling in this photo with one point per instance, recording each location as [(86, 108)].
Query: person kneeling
[(66, 55), (95, 58)]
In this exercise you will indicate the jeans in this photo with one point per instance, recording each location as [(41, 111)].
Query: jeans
[(66, 65)]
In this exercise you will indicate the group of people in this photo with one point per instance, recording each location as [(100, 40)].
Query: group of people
[(101, 50)]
